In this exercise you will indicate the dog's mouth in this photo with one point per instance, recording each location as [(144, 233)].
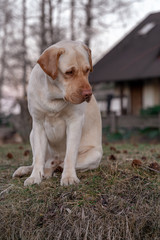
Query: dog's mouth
[(74, 99), (87, 99)]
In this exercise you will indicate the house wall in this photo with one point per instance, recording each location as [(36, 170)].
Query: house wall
[(121, 99), (126, 97), (136, 95), (151, 93), (141, 95)]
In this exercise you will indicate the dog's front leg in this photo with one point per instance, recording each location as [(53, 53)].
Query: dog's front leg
[(74, 130), (39, 146)]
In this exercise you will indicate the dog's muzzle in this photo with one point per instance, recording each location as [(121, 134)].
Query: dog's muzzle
[(86, 94)]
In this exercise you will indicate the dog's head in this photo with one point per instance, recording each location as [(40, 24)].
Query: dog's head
[(70, 63)]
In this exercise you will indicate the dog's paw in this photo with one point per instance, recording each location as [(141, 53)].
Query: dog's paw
[(32, 180), (22, 171), (65, 181)]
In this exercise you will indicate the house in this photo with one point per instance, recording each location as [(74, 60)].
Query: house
[(130, 72)]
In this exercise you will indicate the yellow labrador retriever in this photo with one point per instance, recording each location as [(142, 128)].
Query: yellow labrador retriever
[(66, 119)]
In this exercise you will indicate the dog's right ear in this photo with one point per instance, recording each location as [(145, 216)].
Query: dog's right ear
[(49, 61)]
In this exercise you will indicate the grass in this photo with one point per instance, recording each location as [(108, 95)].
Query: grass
[(115, 201)]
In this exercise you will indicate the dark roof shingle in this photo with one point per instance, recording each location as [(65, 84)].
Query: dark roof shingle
[(136, 57)]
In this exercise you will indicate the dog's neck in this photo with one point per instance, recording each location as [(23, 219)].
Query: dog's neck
[(52, 100)]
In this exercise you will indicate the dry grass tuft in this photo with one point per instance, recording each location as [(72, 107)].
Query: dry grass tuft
[(116, 201)]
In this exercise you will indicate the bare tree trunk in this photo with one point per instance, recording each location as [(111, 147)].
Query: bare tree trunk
[(24, 48), (72, 19), (51, 21), (58, 20), (4, 45), (88, 22), (42, 27)]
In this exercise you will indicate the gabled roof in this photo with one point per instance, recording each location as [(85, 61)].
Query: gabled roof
[(136, 57)]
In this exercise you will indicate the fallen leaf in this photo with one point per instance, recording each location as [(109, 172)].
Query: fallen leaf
[(118, 151), (10, 155), (26, 153), (20, 147), (112, 157), (144, 158), (135, 144), (136, 163), (155, 166), (125, 151), (113, 148), (152, 150)]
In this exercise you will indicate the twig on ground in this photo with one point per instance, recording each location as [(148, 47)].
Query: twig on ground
[(5, 191)]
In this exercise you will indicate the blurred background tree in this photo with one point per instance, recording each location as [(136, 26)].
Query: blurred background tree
[(28, 27)]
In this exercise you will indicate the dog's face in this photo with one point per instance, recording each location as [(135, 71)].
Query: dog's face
[(70, 64)]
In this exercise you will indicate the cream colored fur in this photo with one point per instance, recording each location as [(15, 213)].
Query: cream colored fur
[(66, 121)]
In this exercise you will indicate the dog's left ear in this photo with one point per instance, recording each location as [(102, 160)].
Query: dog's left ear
[(49, 61), (89, 56)]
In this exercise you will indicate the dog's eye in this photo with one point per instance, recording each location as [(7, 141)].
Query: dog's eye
[(69, 72), (87, 70)]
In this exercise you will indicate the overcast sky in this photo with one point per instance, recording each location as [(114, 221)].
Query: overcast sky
[(138, 11)]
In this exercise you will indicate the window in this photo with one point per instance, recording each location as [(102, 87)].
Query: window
[(146, 28)]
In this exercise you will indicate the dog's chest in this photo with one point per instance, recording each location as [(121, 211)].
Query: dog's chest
[(55, 128)]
